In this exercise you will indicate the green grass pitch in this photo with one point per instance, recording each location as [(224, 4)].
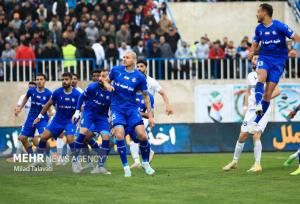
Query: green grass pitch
[(180, 178)]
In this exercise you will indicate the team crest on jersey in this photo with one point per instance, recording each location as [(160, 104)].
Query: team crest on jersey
[(134, 80), (73, 99), (274, 32), (107, 97), (44, 98)]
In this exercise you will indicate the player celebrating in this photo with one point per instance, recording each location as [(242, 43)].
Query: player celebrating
[(296, 154), (153, 87), (65, 100), (95, 116), (39, 96), (127, 81), (96, 75), (249, 117), (270, 35)]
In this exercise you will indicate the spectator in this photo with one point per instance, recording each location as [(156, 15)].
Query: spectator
[(137, 20), (183, 52), (230, 50), (28, 9), (8, 53), (55, 25), (42, 11), (11, 39), (216, 52), (165, 24), (291, 51), (166, 51), (140, 50), (246, 38), (123, 35), (50, 52), (112, 54), (150, 22), (243, 50), (123, 49), (172, 38), (99, 52), (16, 23), (69, 51), (202, 49), (25, 61), (225, 43), (92, 32), (60, 8), (69, 33)]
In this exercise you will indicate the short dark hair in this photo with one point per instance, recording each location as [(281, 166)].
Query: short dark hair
[(142, 61), (104, 70), (67, 74), (74, 74), (32, 83), (43, 75), (267, 8), (96, 71)]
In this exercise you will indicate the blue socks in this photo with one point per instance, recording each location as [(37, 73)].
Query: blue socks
[(265, 106), (29, 150), (42, 147), (145, 150), (259, 92), (104, 150), (78, 145), (122, 151)]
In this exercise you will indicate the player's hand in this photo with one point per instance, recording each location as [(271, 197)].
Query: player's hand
[(151, 122), (169, 110), (291, 115), (109, 87), (17, 111), (37, 120), (76, 117)]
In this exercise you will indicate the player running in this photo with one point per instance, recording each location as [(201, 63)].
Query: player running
[(126, 82), (249, 118), (292, 157), (94, 119), (39, 96), (270, 40), (153, 88), (65, 100)]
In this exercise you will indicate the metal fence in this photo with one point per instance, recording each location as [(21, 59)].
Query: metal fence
[(158, 68)]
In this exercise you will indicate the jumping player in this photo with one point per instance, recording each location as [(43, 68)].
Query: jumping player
[(270, 42)]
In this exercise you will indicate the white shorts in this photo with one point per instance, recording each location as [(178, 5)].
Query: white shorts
[(250, 117)]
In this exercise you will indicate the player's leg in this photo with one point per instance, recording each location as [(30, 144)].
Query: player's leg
[(60, 143), (257, 151), (297, 172), (291, 158), (239, 146), (144, 147), (27, 131), (134, 147), (262, 74), (119, 123)]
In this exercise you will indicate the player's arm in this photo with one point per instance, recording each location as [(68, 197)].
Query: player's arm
[(165, 97), (246, 97), (253, 50), (294, 112), (276, 92), (21, 105), (149, 111), (43, 111), (82, 98), (144, 115)]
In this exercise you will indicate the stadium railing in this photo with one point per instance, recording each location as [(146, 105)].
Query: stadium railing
[(296, 8), (158, 68)]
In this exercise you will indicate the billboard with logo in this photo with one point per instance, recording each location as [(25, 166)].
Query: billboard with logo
[(196, 137)]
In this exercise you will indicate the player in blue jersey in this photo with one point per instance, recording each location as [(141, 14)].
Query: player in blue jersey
[(94, 119), (124, 82), (65, 100), (270, 41), (39, 97)]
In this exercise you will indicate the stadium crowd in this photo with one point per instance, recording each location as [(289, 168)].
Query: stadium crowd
[(103, 30)]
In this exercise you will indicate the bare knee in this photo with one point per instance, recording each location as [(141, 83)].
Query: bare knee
[(243, 137)]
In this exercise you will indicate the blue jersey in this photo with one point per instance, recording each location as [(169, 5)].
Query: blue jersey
[(272, 39), (141, 103), (38, 100), (97, 100), (65, 104), (126, 85)]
